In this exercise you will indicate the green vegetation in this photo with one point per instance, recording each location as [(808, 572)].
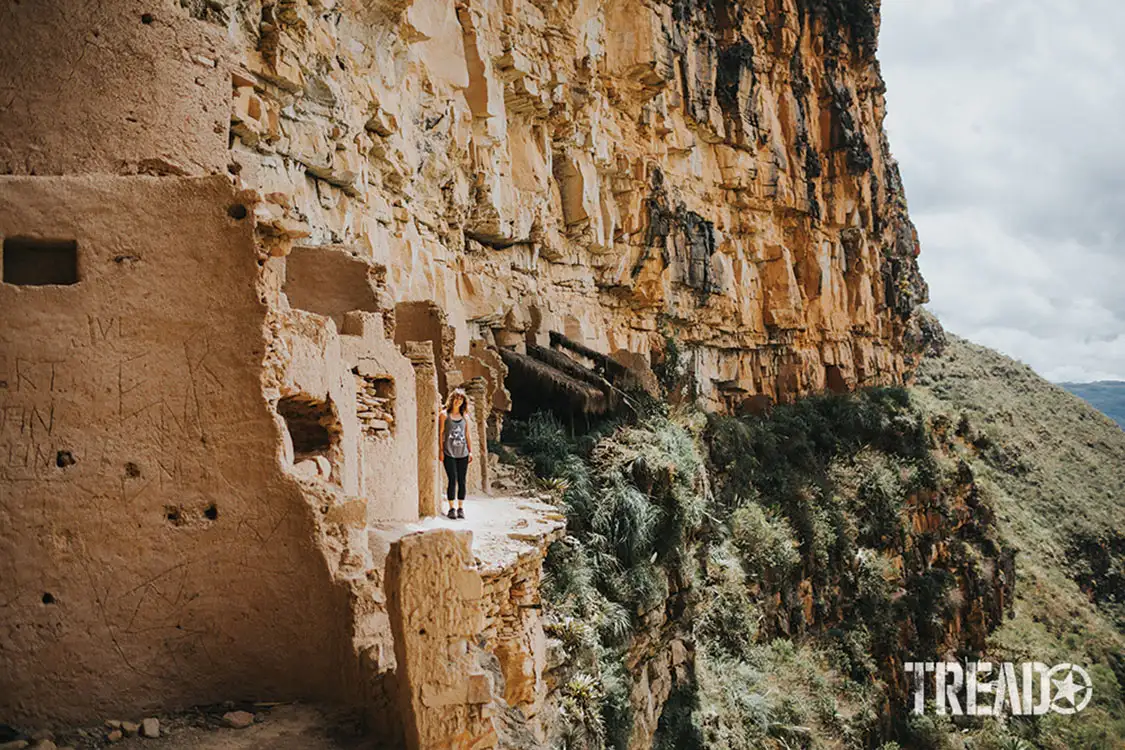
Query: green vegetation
[(1053, 467), (805, 554), (857, 19), (633, 501)]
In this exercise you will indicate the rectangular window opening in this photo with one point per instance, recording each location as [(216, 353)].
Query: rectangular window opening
[(30, 261), (375, 403)]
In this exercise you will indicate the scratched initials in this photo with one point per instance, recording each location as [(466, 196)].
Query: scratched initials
[(104, 329)]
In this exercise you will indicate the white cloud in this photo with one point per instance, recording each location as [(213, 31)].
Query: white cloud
[(1080, 360), (1003, 116)]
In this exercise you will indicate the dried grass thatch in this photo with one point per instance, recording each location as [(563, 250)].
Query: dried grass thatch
[(536, 380), (602, 363), (565, 364)]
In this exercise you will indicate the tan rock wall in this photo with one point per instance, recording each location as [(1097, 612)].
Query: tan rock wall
[(153, 552), (603, 169), (434, 599), (129, 87), (658, 663)]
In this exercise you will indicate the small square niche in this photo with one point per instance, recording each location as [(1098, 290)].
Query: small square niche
[(30, 261)]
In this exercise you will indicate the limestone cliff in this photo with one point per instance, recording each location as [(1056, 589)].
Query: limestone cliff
[(614, 170), (249, 245)]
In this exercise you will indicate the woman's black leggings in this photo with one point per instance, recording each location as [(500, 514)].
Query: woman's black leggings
[(456, 469)]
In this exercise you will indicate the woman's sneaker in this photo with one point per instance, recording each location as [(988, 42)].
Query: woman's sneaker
[(460, 512), (453, 514)]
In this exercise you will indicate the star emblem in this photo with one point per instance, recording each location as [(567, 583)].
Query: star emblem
[(1067, 690)]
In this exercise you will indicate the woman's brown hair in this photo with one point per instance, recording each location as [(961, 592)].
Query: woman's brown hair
[(464, 401)]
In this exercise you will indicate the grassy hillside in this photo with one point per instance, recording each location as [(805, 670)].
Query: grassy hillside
[(805, 554), (1107, 396), (1055, 469)]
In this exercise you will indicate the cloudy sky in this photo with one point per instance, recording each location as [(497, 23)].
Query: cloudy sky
[(1007, 118)]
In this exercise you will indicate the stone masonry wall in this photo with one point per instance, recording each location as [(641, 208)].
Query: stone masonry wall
[(468, 638), (434, 593)]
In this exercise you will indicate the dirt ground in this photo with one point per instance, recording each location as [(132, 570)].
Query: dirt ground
[(282, 727)]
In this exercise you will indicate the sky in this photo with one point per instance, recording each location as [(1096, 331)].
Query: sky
[(1007, 118)]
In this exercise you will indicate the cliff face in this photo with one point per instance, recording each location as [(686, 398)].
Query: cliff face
[(249, 246), (846, 525), (612, 170)]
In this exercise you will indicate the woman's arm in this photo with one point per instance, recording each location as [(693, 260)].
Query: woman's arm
[(468, 439)]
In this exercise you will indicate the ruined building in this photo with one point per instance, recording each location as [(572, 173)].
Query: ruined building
[(249, 244)]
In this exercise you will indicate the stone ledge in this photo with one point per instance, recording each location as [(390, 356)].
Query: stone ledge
[(505, 530)]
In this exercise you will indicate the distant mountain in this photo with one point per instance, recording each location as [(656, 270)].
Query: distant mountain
[(1107, 396)]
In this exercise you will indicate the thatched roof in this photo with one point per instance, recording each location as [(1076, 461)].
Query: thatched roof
[(551, 383), (610, 367), (563, 363)]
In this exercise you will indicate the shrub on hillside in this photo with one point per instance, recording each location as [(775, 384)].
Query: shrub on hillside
[(766, 544), (542, 438)]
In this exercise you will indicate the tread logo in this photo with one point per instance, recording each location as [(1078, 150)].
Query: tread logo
[(1028, 689)]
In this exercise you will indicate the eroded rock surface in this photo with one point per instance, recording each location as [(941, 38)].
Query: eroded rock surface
[(249, 246), (614, 170)]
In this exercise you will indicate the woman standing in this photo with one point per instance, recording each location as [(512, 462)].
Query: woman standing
[(455, 448)]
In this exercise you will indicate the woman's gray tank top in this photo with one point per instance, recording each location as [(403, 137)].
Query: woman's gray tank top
[(455, 443)]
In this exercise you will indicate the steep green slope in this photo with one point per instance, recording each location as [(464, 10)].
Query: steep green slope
[(1055, 468), (802, 556), (1107, 396)]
